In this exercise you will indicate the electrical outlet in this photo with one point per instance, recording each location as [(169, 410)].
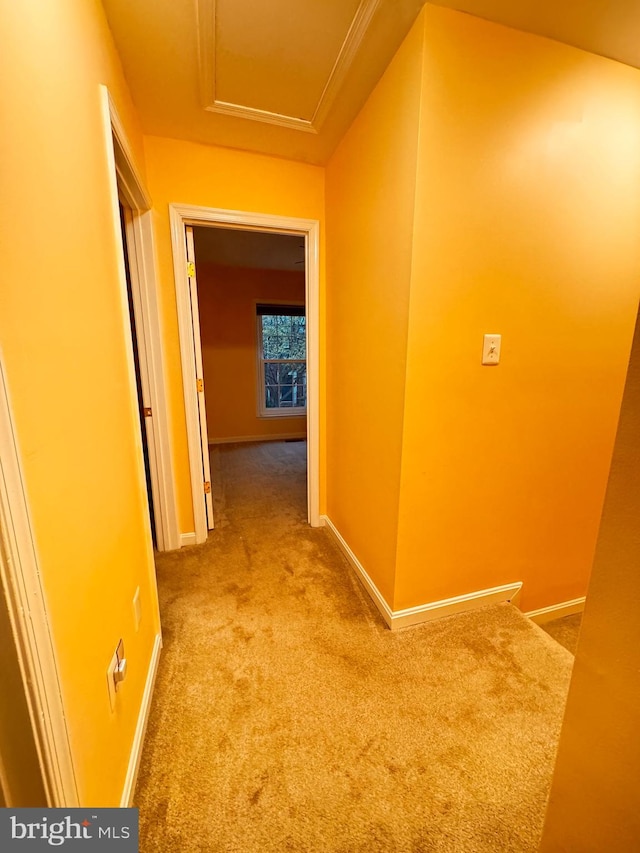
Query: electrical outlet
[(137, 609)]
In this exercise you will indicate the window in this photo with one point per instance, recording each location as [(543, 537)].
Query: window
[(282, 356)]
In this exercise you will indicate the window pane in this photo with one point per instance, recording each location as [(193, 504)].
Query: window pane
[(271, 397), (293, 373), (270, 374), (285, 384), (283, 336)]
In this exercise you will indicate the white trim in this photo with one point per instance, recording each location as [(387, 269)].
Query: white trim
[(21, 579), (187, 539), (458, 604), (183, 215), (145, 304), (369, 585), (241, 439), (6, 797), (141, 727), (140, 249), (344, 60), (206, 27), (270, 414), (424, 612), (265, 116), (557, 611)]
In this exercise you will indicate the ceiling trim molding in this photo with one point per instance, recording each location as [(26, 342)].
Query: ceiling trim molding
[(206, 26), (346, 56), (241, 111)]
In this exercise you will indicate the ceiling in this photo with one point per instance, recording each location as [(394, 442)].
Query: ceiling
[(608, 27), (283, 77), (230, 247), (287, 77)]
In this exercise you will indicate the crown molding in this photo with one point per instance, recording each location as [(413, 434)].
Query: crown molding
[(206, 26)]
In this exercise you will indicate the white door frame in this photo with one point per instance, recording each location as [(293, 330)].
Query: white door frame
[(181, 215), (127, 185), (21, 580)]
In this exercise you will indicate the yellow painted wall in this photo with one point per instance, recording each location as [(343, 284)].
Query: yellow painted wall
[(527, 224), (594, 796), (227, 298), (370, 198), (64, 342), (185, 173)]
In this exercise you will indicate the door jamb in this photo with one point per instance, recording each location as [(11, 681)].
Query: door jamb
[(140, 249), (22, 582), (181, 215)]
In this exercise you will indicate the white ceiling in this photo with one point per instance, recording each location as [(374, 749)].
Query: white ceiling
[(256, 249), (287, 77)]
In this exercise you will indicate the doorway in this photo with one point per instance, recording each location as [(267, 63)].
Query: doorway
[(252, 321), (132, 217), (306, 232)]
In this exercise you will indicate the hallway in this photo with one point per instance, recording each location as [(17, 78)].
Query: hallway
[(287, 717)]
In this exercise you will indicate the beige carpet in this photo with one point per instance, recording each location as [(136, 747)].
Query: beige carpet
[(287, 717), (565, 631)]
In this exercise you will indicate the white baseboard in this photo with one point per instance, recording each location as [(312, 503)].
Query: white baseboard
[(187, 539), (457, 604), (141, 728), (557, 611), (424, 612), (240, 439), (369, 585)]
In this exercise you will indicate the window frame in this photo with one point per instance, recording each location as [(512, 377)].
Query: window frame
[(263, 411)]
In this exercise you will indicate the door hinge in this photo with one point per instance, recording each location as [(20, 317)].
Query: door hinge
[(147, 411), (199, 385), (191, 269), (207, 487)]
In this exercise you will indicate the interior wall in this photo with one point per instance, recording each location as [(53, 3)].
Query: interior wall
[(527, 224), (594, 796), (370, 200), (227, 298), (186, 173), (64, 344)]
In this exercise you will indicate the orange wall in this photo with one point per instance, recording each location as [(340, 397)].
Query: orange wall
[(522, 156), (227, 298), (370, 198), (64, 342), (185, 173), (594, 796), (527, 224)]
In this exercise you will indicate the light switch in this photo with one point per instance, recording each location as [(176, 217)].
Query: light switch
[(111, 684), (491, 349)]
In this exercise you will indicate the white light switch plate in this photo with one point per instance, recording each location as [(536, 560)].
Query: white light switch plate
[(491, 349), (111, 685)]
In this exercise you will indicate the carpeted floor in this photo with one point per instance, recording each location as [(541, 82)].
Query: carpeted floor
[(565, 631), (287, 717)]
